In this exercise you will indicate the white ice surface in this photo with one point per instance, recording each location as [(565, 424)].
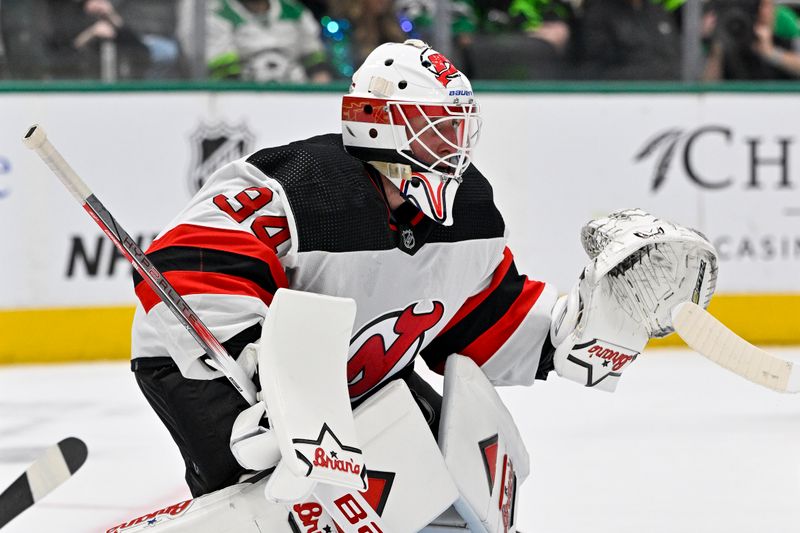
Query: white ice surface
[(682, 446)]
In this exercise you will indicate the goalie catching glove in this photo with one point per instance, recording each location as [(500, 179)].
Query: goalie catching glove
[(640, 268)]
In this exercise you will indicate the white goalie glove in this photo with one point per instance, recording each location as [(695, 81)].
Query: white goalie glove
[(640, 268)]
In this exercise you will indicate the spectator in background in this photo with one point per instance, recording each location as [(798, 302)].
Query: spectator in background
[(629, 40), (359, 26), (77, 30), (155, 22), (3, 68), (555, 32), (787, 25), (743, 43), (24, 25), (417, 18), (318, 8), (265, 41), (518, 39)]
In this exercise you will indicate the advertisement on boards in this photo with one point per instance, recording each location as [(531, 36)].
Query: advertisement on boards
[(724, 164)]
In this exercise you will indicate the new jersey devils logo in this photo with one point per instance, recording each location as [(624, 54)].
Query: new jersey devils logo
[(441, 67), (388, 343)]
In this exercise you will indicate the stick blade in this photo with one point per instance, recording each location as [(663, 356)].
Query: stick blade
[(74, 451), (56, 464), (712, 339)]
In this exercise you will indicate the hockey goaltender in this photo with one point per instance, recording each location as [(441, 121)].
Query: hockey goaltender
[(392, 214)]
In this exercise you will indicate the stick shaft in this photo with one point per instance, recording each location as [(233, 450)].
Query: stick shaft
[(37, 140)]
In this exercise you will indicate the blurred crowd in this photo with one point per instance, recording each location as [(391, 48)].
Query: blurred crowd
[(319, 41)]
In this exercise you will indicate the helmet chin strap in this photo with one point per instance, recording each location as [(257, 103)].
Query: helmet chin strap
[(396, 172)]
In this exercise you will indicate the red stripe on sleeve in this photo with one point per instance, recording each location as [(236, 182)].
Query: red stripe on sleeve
[(485, 346), (226, 240), (187, 283), (474, 301)]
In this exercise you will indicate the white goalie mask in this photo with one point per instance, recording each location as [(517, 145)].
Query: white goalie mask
[(412, 115)]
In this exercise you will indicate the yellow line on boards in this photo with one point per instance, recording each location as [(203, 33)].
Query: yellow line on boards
[(65, 335), (103, 333)]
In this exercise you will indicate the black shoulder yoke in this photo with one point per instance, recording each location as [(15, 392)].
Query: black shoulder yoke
[(337, 207), (335, 204)]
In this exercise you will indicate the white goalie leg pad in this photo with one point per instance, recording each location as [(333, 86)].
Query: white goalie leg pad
[(448, 522), (409, 482), (482, 448), (641, 268), (237, 509), (397, 439)]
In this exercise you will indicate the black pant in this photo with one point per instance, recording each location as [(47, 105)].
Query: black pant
[(199, 415)]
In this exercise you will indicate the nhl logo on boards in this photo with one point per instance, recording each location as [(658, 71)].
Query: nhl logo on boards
[(214, 145)]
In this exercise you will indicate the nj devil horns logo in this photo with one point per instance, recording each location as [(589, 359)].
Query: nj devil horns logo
[(440, 66), (388, 344)]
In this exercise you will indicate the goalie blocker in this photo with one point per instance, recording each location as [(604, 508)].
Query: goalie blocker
[(641, 268)]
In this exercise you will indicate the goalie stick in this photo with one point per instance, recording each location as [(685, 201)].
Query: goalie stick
[(712, 339), (36, 140), (328, 496), (51, 469)]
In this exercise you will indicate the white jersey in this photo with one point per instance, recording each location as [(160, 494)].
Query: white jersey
[(310, 217), (278, 46)]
